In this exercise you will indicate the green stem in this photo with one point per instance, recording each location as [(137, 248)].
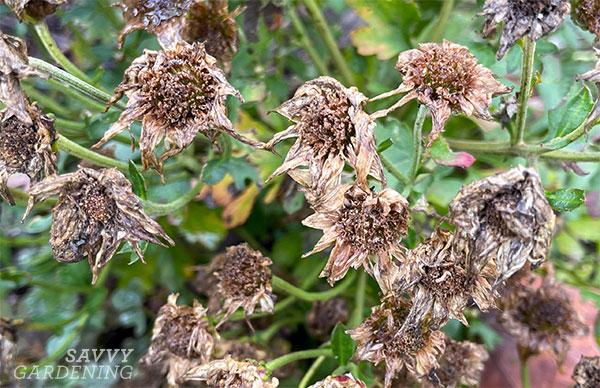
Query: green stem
[(357, 314), (330, 42), (68, 124), (311, 372), (75, 149), (417, 143), (49, 43), (525, 90), (442, 21), (45, 100), (305, 41), (299, 293), (83, 99), (525, 374), (393, 170), (295, 356), (162, 209)]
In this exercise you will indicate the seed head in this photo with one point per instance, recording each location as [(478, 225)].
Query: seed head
[(96, 211), (343, 381), (587, 372), (533, 18), (586, 13), (324, 315), (461, 365), (36, 9), (227, 372)]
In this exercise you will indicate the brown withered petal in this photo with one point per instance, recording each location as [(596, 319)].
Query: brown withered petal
[(8, 350), (461, 365), (446, 78), (359, 224), (36, 9), (586, 13), (593, 76), (95, 213), (541, 318), (181, 339), (343, 381), (227, 372), (175, 94), (505, 218), (244, 280), (443, 280), (25, 147), (587, 372), (389, 334), (324, 315), (332, 128), (534, 18)]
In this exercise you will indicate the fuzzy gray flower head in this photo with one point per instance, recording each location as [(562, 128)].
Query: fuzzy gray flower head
[(587, 372), (175, 94), (227, 372), (331, 128), (505, 218), (34, 9), (461, 365), (342, 381), (533, 18), (360, 224), (586, 13), (95, 213)]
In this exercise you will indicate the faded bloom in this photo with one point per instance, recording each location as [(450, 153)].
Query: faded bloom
[(324, 315), (390, 335), (343, 381), (446, 78), (542, 319), (593, 76), (36, 9), (176, 94), (227, 372), (505, 218), (332, 129), (534, 18), (587, 372), (239, 350), (586, 13), (96, 211), (461, 365), (181, 339), (244, 280), (360, 224)]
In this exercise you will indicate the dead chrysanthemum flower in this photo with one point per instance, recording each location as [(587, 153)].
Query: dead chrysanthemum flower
[(343, 381), (461, 365), (181, 339), (227, 372), (593, 76), (443, 280), (506, 218), (25, 147), (534, 18), (324, 315), (244, 280), (332, 128), (586, 373), (389, 335), (586, 13), (541, 318), (359, 224), (35, 9), (95, 213), (176, 94)]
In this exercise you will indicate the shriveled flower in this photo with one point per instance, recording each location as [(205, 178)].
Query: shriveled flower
[(176, 94), (25, 147), (586, 13), (390, 335), (360, 224), (446, 78), (332, 128), (542, 319), (181, 339), (443, 280), (36, 9), (244, 280), (343, 381), (587, 372), (8, 350), (533, 18), (593, 76), (506, 218), (95, 213), (324, 315), (227, 372), (239, 350), (461, 365)]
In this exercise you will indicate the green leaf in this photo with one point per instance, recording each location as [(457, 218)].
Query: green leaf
[(239, 169), (384, 145), (565, 200), (342, 344), (137, 181), (488, 335), (587, 229), (566, 118)]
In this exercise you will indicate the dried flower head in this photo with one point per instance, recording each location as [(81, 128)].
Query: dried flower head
[(343, 381), (324, 315), (443, 280), (227, 372), (35, 9), (239, 350), (25, 147), (505, 218), (8, 350), (176, 94), (95, 213), (593, 76), (534, 18), (461, 365), (586, 13), (332, 129), (181, 339), (542, 318), (359, 224), (390, 335), (244, 280), (446, 78), (587, 372)]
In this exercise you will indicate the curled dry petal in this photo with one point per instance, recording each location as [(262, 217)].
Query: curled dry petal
[(461, 365), (227, 372), (95, 213), (36, 9), (586, 13), (586, 373), (519, 18), (343, 381)]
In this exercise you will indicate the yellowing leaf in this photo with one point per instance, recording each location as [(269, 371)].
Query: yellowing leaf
[(238, 211)]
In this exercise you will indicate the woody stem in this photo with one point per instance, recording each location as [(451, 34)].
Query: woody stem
[(525, 91), (281, 285), (295, 356)]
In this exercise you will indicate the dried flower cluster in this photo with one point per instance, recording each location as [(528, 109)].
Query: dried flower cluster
[(461, 365), (587, 372), (227, 372), (586, 13)]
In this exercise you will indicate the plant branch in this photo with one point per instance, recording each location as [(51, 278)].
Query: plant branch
[(524, 91), (393, 170), (305, 40), (311, 372), (295, 356), (299, 293), (162, 209), (357, 314), (442, 20), (75, 149), (417, 142)]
